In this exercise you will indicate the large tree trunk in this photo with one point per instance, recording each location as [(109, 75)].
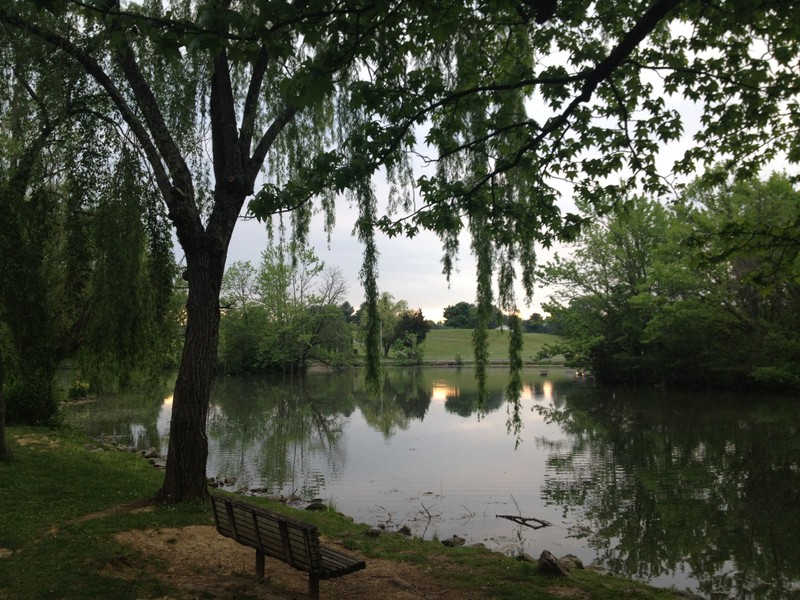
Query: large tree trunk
[(185, 476)]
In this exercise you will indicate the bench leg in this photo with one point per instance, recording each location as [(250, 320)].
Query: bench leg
[(259, 564), (313, 587)]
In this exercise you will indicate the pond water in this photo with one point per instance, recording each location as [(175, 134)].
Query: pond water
[(698, 491)]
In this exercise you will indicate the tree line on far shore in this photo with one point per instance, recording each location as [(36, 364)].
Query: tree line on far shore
[(289, 312)]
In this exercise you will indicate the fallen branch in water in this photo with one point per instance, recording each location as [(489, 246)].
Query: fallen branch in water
[(525, 521)]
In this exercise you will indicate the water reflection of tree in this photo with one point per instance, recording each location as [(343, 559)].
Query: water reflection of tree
[(283, 427), (466, 401), (280, 427), (129, 417), (674, 479), (404, 396)]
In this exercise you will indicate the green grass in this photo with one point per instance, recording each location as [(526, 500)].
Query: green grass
[(446, 344), (54, 480)]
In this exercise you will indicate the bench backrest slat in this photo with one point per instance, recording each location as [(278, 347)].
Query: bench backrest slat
[(222, 518), (231, 519)]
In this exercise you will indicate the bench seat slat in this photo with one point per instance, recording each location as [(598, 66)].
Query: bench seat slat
[(336, 564)]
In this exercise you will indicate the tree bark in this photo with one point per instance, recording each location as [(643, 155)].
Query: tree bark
[(185, 476)]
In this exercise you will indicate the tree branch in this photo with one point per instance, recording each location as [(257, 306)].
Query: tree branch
[(148, 105), (269, 137), (602, 71), (251, 101), (228, 164), (96, 71)]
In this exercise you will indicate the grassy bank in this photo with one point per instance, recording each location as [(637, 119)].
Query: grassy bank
[(62, 501), (447, 344)]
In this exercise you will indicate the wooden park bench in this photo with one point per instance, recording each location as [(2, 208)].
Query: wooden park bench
[(292, 541)]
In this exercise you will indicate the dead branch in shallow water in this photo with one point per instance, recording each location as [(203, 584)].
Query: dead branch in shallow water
[(525, 521)]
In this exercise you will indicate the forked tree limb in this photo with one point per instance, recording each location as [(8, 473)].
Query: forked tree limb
[(540, 523)]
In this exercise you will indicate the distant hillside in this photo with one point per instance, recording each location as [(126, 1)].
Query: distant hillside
[(446, 344)]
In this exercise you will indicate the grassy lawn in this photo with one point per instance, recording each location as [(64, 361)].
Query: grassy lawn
[(447, 344), (54, 480), (50, 549)]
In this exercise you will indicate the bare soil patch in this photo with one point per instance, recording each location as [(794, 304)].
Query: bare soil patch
[(200, 563), (42, 442)]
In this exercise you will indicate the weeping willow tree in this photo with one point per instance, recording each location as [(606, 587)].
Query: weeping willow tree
[(85, 257), (475, 111)]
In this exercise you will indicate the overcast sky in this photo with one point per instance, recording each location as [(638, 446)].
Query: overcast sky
[(410, 270)]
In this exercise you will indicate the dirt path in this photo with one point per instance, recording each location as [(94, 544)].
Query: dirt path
[(203, 564)]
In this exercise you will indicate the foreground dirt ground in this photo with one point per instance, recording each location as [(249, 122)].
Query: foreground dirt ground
[(203, 564)]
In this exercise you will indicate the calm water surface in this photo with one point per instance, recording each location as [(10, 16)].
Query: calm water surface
[(698, 491)]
